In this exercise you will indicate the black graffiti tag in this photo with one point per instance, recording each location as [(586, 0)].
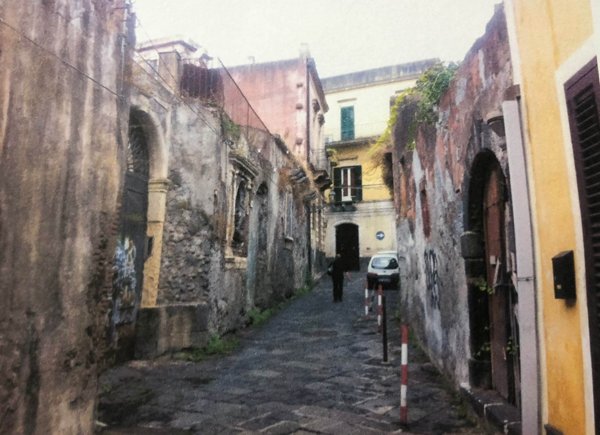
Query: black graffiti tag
[(432, 278)]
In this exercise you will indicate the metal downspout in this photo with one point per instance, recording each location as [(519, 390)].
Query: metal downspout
[(308, 214), (528, 332)]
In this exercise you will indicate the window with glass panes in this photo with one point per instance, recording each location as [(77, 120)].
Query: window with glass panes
[(347, 183)]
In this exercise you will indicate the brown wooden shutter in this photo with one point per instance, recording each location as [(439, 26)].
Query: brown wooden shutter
[(583, 101)]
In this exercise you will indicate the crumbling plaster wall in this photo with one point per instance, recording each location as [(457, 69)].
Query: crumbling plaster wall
[(432, 185), (63, 112), (191, 256), (198, 265)]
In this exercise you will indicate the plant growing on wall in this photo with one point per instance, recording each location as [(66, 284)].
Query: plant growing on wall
[(482, 285), (429, 89), (229, 128), (332, 155), (483, 353)]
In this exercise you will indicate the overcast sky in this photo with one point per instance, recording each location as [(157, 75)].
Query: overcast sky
[(343, 35)]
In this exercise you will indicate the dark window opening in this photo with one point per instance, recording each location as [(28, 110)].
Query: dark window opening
[(240, 228)]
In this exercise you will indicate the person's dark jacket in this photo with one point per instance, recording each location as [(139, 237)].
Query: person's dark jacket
[(337, 268)]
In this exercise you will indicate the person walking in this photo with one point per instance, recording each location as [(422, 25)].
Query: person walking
[(337, 276)]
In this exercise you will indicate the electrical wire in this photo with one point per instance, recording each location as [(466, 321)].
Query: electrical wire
[(60, 59)]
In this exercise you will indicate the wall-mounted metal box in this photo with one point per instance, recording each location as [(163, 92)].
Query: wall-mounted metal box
[(563, 268)]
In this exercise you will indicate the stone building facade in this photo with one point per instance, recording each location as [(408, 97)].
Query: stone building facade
[(361, 214), (63, 138), (288, 97), (227, 222), (455, 226)]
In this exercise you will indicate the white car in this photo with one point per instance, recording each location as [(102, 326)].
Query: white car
[(383, 269)]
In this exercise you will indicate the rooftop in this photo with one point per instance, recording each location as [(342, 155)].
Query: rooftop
[(385, 74)]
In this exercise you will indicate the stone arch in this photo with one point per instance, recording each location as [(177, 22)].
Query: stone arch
[(158, 152), (157, 196), (491, 295), (131, 246)]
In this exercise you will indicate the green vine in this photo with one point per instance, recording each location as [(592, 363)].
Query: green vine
[(385, 139), (229, 128), (484, 351), (430, 87), (332, 155), (483, 286), (428, 90), (512, 348)]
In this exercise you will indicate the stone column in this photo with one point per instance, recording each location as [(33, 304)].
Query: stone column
[(157, 199)]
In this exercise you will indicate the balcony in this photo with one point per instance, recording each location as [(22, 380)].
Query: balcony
[(342, 206)]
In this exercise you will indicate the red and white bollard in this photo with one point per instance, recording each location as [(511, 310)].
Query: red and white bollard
[(404, 377), (367, 304), (379, 306)]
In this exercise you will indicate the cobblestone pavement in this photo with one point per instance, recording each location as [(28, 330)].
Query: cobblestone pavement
[(315, 367)]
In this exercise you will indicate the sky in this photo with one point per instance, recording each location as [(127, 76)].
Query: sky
[(342, 35)]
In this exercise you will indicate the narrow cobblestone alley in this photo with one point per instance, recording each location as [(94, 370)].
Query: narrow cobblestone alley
[(315, 367)]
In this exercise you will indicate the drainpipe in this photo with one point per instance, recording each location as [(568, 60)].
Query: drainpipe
[(528, 331), (308, 214), (307, 64)]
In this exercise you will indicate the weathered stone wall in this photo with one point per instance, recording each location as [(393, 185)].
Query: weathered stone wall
[(432, 186), (228, 240), (195, 208), (63, 109)]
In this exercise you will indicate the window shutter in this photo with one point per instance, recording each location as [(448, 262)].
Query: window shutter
[(337, 182), (357, 192), (347, 117), (583, 101)]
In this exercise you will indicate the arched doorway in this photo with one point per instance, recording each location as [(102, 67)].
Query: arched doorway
[(492, 297), (131, 241), (346, 244)]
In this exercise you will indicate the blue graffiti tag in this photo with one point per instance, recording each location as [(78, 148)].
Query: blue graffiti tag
[(124, 281)]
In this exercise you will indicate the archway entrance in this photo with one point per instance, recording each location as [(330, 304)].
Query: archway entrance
[(346, 244), (492, 297), (131, 242)]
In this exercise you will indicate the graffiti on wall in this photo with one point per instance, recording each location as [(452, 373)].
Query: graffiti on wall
[(432, 279), (124, 282)]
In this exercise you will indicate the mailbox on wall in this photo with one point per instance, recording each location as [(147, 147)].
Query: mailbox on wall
[(563, 268)]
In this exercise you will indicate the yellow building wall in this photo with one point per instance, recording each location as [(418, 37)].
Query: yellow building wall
[(359, 155), (371, 107), (548, 32)]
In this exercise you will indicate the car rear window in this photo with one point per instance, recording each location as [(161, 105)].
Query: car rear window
[(384, 263)]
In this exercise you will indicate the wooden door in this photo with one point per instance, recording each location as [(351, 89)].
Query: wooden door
[(493, 214)]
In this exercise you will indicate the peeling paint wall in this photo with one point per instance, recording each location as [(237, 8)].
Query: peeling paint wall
[(432, 184), (63, 112)]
